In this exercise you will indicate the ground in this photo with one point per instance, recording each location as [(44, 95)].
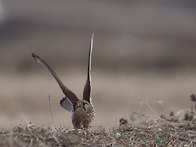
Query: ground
[(160, 133), (140, 130), (153, 105)]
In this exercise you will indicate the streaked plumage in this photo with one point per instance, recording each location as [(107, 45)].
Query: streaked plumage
[(82, 110)]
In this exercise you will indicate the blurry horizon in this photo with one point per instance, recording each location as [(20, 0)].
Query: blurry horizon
[(128, 34)]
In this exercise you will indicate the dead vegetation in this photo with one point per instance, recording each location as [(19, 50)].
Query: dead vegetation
[(147, 133), (189, 115)]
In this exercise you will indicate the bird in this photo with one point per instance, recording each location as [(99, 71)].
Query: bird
[(82, 110)]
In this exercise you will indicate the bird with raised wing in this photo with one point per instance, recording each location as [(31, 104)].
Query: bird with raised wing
[(82, 111)]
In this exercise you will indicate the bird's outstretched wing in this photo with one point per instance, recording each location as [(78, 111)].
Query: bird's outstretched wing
[(87, 87), (72, 97)]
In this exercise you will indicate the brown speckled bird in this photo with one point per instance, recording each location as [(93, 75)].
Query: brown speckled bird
[(82, 110)]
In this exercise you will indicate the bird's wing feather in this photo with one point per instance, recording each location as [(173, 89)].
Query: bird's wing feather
[(87, 87), (66, 104), (72, 97)]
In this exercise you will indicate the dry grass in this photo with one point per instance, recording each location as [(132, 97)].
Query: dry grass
[(146, 133), (140, 131)]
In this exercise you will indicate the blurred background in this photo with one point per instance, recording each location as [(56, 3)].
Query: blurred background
[(143, 58)]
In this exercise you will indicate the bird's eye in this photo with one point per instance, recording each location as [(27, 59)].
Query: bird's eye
[(84, 103)]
